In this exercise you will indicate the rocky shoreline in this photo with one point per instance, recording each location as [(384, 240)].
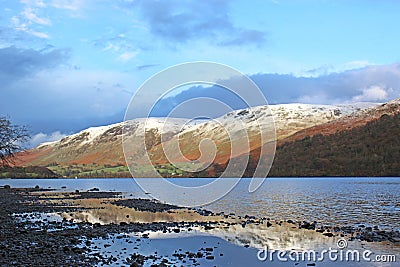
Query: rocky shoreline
[(30, 239)]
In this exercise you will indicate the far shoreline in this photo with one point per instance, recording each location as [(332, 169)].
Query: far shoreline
[(197, 178)]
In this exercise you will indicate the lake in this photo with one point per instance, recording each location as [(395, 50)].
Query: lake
[(331, 201)]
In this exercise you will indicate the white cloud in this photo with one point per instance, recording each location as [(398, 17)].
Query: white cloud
[(357, 64), (31, 20), (32, 17), (72, 5), (36, 3), (42, 138), (112, 47), (39, 34), (127, 56), (25, 25), (372, 93)]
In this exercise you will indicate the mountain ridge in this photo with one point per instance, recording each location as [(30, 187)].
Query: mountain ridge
[(102, 145), (288, 120)]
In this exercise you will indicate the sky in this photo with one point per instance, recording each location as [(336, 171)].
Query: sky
[(68, 65)]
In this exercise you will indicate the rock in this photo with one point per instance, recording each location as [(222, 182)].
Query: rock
[(95, 189), (307, 225)]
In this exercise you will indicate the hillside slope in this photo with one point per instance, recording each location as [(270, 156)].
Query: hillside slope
[(95, 145), (348, 121), (92, 152), (365, 143), (372, 149), (240, 126)]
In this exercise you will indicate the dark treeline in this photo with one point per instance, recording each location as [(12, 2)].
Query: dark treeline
[(371, 150)]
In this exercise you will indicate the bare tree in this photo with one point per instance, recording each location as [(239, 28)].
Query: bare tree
[(12, 138)]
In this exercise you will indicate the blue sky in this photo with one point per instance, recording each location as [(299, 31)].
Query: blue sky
[(68, 65)]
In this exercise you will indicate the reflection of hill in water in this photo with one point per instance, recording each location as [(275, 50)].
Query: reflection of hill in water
[(99, 211)]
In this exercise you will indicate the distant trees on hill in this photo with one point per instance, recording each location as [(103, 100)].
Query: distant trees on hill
[(370, 150)]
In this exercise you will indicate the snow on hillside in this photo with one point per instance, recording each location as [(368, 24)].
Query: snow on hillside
[(89, 135), (164, 124), (306, 115), (92, 134), (288, 118)]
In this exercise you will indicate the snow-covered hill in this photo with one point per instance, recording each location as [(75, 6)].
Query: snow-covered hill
[(98, 134), (290, 118), (275, 122), (286, 118), (103, 144)]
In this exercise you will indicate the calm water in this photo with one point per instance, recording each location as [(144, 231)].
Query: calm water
[(368, 201)]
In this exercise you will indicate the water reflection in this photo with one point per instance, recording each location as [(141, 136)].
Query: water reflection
[(108, 213), (340, 201), (103, 211), (330, 201), (256, 233), (287, 237)]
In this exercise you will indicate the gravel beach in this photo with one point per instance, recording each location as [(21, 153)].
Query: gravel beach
[(40, 227)]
